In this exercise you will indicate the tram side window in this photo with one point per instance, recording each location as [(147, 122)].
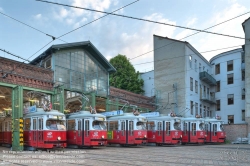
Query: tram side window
[(34, 124), (151, 125), (40, 124), (159, 128), (193, 128), (123, 127), (10, 127), (113, 125), (71, 125), (27, 124), (185, 128), (79, 125), (5, 126), (167, 128), (131, 127), (214, 129), (86, 127), (0, 126), (206, 128)]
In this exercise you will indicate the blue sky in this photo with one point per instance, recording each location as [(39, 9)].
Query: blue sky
[(114, 35)]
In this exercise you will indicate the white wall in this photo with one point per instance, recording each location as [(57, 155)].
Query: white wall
[(225, 88)]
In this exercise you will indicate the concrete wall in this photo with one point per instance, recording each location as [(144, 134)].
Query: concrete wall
[(246, 26), (236, 130), (148, 86), (169, 69)]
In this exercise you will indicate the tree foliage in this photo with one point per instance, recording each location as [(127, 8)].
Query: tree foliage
[(125, 76)]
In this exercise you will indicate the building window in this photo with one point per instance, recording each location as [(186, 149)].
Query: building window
[(230, 119), (243, 115), (243, 94), (196, 108), (243, 57), (199, 67), (191, 108), (204, 113), (217, 105), (190, 61), (195, 65), (218, 86), (191, 83), (47, 64), (230, 99), (208, 112), (203, 68), (196, 86), (243, 75), (217, 69), (230, 65), (230, 78), (200, 110)]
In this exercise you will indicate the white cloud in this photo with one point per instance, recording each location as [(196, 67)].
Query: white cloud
[(1, 9), (38, 16), (191, 22), (141, 41), (211, 42)]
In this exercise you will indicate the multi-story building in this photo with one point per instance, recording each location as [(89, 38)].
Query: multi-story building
[(229, 72), (190, 85)]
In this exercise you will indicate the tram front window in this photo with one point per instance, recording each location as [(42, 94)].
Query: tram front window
[(55, 125), (221, 127), (99, 125), (201, 126), (141, 125), (177, 125)]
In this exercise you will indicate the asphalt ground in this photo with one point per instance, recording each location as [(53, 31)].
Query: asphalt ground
[(181, 155)]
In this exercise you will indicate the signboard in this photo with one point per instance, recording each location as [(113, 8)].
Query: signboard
[(150, 114), (113, 113), (99, 118), (110, 135), (29, 109)]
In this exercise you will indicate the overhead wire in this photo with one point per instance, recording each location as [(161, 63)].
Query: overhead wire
[(82, 26), (31, 26), (141, 19), (188, 55)]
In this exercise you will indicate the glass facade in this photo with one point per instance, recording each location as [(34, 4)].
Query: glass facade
[(77, 70)]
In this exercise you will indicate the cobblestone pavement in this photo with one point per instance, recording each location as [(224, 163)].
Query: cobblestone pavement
[(194, 155)]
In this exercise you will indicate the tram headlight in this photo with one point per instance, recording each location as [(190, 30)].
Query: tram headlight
[(145, 136), (59, 138), (181, 136), (206, 135), (103, 137)]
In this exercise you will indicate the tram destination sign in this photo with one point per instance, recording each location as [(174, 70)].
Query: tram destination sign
[(29, 109), (113, 113), (150, 114)]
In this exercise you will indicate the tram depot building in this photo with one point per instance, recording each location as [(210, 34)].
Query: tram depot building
[(71, 77), (75, 76)]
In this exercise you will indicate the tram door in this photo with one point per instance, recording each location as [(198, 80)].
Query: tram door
[(129, 131), (123, 132), (34, 132), (79, 132), (40, 139), (86, 126), (214, 133), (193, 128), (159, 133), (167, 132)]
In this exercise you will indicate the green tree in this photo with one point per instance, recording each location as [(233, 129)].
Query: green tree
[(125, 76)]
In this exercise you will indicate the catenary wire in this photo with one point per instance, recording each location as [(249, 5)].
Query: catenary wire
[(31, 26), (13, 55), (81, 27), (190, 35), (141, 19)]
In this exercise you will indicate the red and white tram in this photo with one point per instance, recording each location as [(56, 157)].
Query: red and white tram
[(5, 131), (44, 130), (127, 129), (214, 131), (192, 130), (86, 130), (164, 130)]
